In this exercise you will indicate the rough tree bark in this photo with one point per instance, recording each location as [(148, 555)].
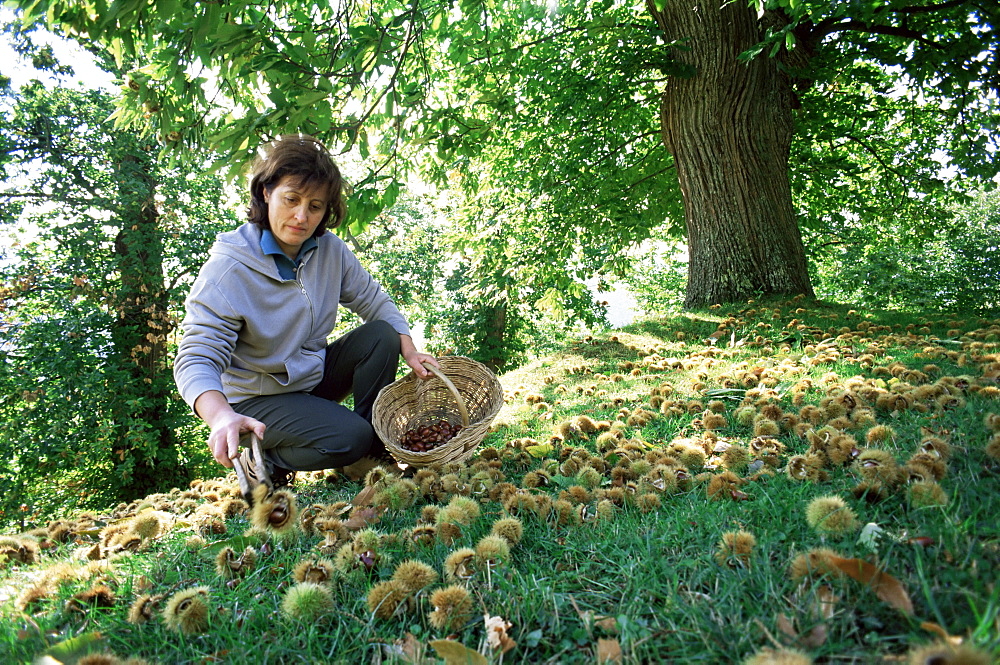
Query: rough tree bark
[(494, 337), (729, 128)]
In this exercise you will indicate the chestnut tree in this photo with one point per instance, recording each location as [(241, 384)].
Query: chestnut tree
[(764, 131)]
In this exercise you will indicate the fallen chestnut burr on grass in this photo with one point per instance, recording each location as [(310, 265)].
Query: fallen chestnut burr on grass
[(783, 481)]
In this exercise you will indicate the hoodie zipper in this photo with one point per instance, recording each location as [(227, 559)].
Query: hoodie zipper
[(302, 287)]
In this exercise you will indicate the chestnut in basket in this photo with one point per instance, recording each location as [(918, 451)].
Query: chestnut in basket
[(428, 437)]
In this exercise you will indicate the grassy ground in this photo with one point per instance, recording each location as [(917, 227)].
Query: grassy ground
[(683, 528)]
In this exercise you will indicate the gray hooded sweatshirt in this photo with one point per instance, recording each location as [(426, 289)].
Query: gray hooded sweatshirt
[(248, 332)]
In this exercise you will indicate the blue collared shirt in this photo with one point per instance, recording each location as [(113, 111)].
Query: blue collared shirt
[(286, 266)]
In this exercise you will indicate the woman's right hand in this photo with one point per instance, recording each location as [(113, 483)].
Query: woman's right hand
[(227, 426), (224, 441)]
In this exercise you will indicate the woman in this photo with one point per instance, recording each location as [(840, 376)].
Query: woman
[(254, 355)]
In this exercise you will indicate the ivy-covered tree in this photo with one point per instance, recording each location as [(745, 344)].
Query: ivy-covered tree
[(105, 241), (762, 117)]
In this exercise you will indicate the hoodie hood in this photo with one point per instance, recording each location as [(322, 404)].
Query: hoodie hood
[(243, 244)]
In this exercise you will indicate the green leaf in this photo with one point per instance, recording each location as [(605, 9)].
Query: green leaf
[(73, 649), (310, 98), (539, 451), (238, 543), (564, 481), (456, 653), (391, 193)]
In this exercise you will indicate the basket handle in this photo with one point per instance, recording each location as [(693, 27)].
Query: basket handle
[(454, 391)]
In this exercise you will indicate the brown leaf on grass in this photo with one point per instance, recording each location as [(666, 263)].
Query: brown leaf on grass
[(364, 497), (608, 651), (811, 640), (586, 617), (361, 517), (785, 625), (456, 653), (496, 633), (826, 602), (608, 624), (885, 586), (816, 637), (822, 607), (410, 649), (605, 623)]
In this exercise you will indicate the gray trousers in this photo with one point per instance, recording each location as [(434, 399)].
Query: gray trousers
[(313, 431)]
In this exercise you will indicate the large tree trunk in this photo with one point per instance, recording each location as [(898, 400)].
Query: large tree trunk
[(495, 337), (729, 129)]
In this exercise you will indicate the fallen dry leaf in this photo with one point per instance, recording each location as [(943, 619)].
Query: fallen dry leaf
[(142, 584), (826, 602), (816, 637), (609, 651), (410, 649), (821, 609), (361, 517), (456, 653), (885, 586), (785, 626), (811, 640), (364, 497), (496, 633), (608, 624)]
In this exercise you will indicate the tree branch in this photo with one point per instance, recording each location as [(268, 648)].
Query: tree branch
[(651, 175), (926, 9), (854, 25)]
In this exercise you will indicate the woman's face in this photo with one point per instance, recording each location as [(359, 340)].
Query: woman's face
[(294, 211)]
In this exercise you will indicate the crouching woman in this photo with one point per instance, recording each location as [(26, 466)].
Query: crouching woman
[(254, 356)]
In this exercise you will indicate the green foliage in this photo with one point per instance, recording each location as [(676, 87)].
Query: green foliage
[(492, 331), (560, 110), (105, 242), (656, 279), (955, 269), (402, 248)]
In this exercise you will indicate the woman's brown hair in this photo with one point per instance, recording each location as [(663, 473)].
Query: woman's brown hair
[(306, 160)]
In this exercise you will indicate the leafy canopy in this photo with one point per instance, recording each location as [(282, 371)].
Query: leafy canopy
[(550, 115)]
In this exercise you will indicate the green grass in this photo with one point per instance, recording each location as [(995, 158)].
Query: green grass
[(648, 581)]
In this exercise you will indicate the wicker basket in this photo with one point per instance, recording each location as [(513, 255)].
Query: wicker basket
[(463, 391)]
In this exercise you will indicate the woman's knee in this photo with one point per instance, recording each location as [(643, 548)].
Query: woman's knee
[(349, 441), (384, 334)]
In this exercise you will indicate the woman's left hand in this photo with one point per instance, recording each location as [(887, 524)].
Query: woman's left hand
[(416, 363), (415, 359)]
